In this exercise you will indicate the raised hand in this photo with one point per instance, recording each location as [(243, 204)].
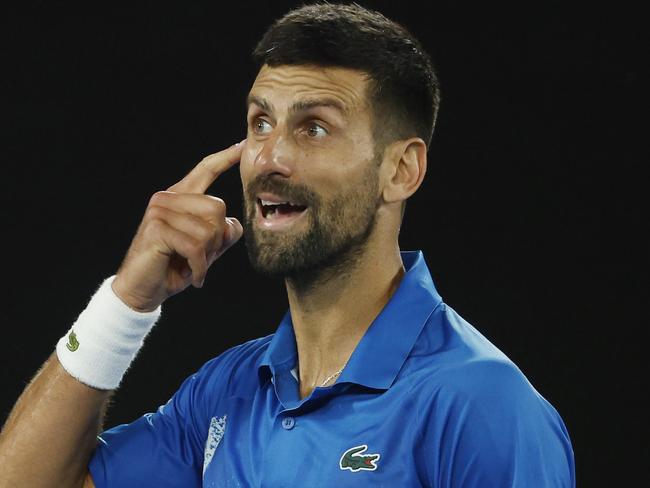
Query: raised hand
[(182, 233)]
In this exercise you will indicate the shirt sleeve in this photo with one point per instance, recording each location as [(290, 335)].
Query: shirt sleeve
[(160, 449), (492, 429)]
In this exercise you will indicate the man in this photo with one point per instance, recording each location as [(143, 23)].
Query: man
[(370, 379)]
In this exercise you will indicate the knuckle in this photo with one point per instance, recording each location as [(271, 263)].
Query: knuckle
[(154, 212), (216, 202), (216, 199), (156, 197), (217, 205)]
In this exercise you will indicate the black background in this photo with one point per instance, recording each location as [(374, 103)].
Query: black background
[(531, 215)]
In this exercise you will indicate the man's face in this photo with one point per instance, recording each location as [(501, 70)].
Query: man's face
[(309, 143)]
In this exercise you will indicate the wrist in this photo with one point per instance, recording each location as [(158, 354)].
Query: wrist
[(131, 301), (104, 340)]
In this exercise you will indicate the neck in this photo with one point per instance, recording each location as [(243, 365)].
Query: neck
[(331, 309)]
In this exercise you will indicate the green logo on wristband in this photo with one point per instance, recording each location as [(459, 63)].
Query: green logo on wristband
[(73, 343)]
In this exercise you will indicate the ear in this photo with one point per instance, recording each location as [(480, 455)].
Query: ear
[(405, 164)]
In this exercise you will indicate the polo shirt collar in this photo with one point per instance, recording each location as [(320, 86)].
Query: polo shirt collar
[(385, 346)]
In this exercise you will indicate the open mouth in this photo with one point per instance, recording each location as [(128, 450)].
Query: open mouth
[(276, 214), (272, 210)]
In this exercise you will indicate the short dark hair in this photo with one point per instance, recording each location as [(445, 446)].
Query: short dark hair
[(403, 92)]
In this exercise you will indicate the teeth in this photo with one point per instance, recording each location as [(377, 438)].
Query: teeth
[(270, 210), (267, 202)]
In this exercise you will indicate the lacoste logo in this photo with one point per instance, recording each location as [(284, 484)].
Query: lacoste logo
[(73, 343), (354, 461)]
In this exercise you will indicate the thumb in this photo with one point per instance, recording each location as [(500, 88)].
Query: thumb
[(231, 234)]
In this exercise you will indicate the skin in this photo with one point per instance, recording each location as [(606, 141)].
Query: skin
[(332, 314), (184, 231), (181, 234)]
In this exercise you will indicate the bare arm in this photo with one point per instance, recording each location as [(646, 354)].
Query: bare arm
[(51, 432)]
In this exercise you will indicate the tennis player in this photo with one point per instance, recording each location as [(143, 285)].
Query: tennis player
[(370, 379)]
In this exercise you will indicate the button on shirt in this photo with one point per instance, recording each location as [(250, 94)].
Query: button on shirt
[(424, 401)]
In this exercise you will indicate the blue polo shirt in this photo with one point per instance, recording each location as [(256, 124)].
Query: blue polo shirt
[(425, 400)]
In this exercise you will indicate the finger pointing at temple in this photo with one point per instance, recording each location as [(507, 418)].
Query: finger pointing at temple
[(199, 179), (183, 231)]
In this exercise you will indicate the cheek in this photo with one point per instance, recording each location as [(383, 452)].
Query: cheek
[(245, 164)]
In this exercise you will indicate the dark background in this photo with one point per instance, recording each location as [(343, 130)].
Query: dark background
[(531, 215)]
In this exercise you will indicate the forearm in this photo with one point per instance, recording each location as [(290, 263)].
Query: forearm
[(52, 430)]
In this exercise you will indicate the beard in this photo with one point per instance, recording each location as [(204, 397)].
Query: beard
[(336, 235)]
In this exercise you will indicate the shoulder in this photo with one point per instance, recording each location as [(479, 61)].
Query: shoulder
[(476, 406), (452, 354), (458, 364), (492, 428)]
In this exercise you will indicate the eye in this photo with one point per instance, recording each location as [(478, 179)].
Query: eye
[(258, 125), (316, 131)]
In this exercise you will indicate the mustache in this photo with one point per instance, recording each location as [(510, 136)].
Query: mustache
[(297, 193)]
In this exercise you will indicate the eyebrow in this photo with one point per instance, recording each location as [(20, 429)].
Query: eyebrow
[(299, 106)]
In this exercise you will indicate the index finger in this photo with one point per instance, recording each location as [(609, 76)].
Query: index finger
[(199, 179)]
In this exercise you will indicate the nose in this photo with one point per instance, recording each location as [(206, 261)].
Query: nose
[(274, 156)]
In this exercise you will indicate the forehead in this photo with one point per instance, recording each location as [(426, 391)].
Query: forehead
[(283, 85)]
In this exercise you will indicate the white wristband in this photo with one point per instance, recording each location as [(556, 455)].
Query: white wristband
[(104, 340)]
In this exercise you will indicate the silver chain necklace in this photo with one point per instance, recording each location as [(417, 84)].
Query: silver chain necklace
[(329, 378)]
